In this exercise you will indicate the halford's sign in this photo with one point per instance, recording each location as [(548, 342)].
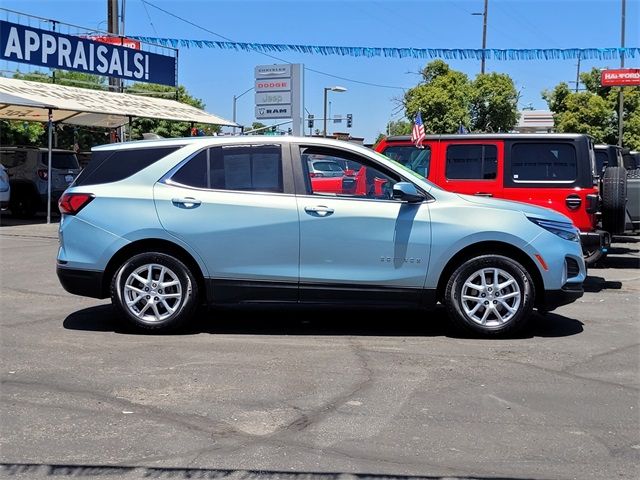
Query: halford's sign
[(620, 77), (19, 43)]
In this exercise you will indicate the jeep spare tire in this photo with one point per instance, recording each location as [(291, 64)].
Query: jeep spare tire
[(614, 198)]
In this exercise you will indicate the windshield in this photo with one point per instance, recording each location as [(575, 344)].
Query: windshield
[(423, 182)]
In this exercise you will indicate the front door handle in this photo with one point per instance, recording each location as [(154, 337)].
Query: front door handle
[(319, 211), (186, 202), (483, 194)]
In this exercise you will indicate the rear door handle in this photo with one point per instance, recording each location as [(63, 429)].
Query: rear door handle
[(186, 202), (319, 211), (483, 194)]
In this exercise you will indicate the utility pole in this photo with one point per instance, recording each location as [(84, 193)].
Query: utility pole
[(578, 74), (621, 95), (113, 27), (484, 34)]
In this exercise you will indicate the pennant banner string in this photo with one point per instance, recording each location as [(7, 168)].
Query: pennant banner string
[(609, 53)]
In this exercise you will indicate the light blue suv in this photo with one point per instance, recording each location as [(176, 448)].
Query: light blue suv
[(163, 226)]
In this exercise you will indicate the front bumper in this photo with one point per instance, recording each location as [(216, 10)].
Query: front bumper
[(598, 239), (86, 283), (553, 299)]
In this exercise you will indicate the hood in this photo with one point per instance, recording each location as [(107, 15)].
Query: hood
[(526, 208)]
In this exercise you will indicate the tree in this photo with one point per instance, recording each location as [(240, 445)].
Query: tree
[(257, 125), (595, 111), (442, 98), (447, 99), (494, 102)]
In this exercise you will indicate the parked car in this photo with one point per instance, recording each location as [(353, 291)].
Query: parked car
[(162, 226), (5, 188), (556, 171), (322, 167), (28, 174)]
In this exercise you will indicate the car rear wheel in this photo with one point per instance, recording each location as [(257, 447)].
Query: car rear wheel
[(154, 291), (614, 198), (490, 295)]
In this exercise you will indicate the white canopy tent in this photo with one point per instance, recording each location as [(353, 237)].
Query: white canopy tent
[(45, 102)]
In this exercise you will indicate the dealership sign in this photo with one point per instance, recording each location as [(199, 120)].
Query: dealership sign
[(23, 44), (278, 93), (620, 78)]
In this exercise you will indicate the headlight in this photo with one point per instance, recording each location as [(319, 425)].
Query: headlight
[(562, 229)]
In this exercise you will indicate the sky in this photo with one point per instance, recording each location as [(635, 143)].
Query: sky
[(374, 85)]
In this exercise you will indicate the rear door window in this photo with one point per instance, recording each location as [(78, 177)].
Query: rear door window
[(471, 162), (255, 168), (108, 166), (543, 162)]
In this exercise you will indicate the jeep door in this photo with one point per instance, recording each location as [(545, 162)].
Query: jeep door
[(472, 167), (359, 243), (234, 205)]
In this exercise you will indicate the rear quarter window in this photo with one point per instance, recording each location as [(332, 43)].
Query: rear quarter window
[(108, 166), (543, 162)]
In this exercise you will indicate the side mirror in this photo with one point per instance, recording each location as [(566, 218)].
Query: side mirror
[(407, 192)]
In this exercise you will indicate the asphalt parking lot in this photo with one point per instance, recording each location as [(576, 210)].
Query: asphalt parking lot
[(313, 393)]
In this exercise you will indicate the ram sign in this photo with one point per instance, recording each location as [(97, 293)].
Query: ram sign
[(23, 44)]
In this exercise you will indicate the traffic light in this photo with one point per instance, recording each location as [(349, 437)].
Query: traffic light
[(273, 129), (349, 120), (310, 121)]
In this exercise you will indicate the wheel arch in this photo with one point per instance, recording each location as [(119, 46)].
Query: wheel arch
[(153, 245), (496, 248)]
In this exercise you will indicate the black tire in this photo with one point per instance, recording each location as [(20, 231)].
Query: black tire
[(614, 199), (506, 267), (169, 311), (23, 203)]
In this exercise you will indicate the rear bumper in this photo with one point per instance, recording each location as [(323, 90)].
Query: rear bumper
[(553, 299), (86, 283)]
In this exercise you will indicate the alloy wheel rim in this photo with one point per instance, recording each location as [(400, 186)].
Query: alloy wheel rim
[(152, 292), (490, 297)]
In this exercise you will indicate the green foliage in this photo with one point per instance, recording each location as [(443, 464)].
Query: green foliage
[(447, 98), (494, 102), (21, 133), (256, 125), (595, 111)]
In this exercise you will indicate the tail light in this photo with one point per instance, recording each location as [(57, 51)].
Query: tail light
[(592, 203), (43, 174), (72, 203)]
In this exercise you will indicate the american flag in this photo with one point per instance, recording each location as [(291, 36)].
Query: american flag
[(417, 134)]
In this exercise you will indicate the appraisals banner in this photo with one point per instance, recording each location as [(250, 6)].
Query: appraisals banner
[(23, 44)]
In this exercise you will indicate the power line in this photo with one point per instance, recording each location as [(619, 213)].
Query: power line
[(266, 54), (149, 17)]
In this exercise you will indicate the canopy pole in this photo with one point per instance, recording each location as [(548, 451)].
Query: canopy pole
[(50, 135)]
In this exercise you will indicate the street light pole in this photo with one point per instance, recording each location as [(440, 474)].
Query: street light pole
[(235, 98), (324, 116)]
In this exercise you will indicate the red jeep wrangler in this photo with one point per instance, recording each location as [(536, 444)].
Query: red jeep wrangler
[(556, 171)]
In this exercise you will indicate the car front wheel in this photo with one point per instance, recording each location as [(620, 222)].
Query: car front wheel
[(154, 291), (490, 295)]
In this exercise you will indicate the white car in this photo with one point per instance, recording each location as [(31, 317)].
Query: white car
[(5, 188)]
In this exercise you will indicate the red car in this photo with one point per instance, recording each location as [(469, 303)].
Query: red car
[(556, 171)]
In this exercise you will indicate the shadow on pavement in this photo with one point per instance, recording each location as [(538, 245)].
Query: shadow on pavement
[(597, 284), (68, 470), (306, 320)]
